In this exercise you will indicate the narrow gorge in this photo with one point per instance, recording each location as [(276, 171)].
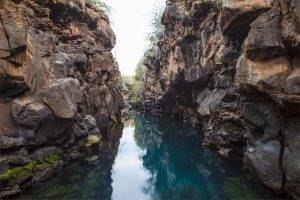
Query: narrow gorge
[(216, 115)]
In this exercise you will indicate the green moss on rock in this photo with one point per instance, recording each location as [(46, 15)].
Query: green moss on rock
[(19, 174)]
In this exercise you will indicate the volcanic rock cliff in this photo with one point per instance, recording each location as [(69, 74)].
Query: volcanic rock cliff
[(58, 87), (234, 68)]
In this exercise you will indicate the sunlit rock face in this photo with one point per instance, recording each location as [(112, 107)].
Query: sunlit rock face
[(237, 4), (56, 67), (234, 69)]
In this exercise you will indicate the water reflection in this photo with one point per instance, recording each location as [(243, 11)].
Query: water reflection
[(92, 180), (181, 168), (129, 175), (154, 159)]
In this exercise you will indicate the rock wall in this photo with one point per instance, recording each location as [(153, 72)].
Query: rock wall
[(234, 69), (59, 87)]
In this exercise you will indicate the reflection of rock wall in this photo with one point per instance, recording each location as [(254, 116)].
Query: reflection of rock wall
[(56, 70), (86, 180), (182, 169), (235, 70)]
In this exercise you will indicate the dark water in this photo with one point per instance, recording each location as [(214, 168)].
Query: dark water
[(155, 159)]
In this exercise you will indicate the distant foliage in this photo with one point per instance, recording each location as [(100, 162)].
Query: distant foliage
[(153, 37), (140, 71), (103, 5), (136, 83), (157, 28), (134, 87)]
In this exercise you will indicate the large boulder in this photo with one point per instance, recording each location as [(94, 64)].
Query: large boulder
[(50, 131), (268, 73), (263, 121), (14, 20), (264, 148), (62, 96), (237, 15), (264, 160), (29, 112), (106, 33), (264, 41)]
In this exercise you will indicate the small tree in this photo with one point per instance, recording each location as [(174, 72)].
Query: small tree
[(156, 26)]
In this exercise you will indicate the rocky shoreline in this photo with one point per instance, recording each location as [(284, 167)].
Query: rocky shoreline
[(59, 87), (232, 67)]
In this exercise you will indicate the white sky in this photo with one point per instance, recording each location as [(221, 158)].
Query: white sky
[(131, 21)]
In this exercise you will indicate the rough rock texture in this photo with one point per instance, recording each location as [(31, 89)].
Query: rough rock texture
[(234, 69), (58, 81)]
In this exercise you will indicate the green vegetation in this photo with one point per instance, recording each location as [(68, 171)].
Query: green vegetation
[(157, 30), (17, 174), (93, 139), (156, 26), (140, 70), (135, 84), (101, 4)]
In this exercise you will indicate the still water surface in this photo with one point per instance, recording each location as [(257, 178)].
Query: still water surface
[(154, 159)]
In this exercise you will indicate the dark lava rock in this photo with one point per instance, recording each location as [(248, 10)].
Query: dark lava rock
[(233, 69)]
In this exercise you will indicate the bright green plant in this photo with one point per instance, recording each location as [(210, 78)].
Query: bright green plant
[(14, 175)]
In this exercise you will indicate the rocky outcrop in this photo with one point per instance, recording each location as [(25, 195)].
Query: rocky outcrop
[(59, 86), (233, 68)]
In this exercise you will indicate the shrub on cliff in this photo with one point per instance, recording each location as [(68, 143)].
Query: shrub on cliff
[(103, 5), (156, 25), (157, 28)]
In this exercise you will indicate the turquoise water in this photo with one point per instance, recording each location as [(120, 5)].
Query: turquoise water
[(154, 159)]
